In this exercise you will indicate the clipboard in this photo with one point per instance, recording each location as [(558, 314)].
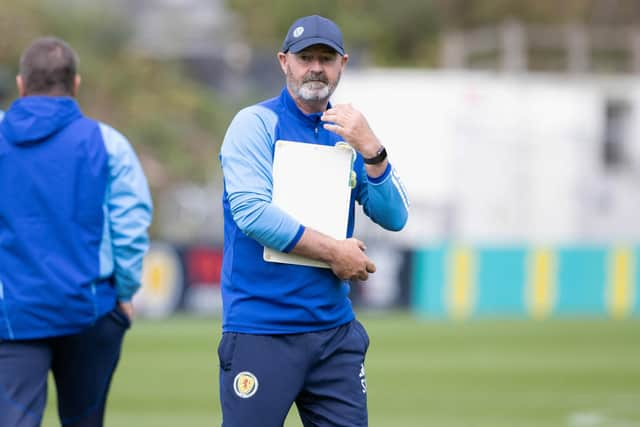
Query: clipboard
[(312, 183)]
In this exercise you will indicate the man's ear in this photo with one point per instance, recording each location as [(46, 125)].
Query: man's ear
[(345, 59), (21, 86), (282, 59), (76, 84)]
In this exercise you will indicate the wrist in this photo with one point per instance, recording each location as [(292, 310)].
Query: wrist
[(378, 157), (333, 247), (371, 150)]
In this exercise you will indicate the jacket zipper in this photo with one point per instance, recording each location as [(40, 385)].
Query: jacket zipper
[(95, 303), (4, 310)]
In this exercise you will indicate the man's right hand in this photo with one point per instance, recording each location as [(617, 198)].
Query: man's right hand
[(127, 308), (350, 261), (346, 258)]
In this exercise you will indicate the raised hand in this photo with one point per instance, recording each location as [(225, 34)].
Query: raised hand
[(351, 125)]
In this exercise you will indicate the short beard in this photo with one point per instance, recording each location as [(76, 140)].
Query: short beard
[(314, 91), (314, 88)]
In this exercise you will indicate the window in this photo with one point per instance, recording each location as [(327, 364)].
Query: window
[(615, 154)]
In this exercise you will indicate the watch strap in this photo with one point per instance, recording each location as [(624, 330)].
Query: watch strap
[(380, 156)]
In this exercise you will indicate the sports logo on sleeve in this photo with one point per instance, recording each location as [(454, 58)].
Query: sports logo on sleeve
[(245, 384)]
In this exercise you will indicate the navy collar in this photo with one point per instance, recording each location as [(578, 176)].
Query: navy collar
[(312, 119)]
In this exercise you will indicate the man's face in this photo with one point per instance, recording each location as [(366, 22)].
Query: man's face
[(313, 73)]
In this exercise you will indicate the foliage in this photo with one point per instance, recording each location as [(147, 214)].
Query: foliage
[(468, 14), (408, 32), (391, 34), (175, 124)]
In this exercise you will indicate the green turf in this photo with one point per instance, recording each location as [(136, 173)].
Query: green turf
[(490, 373)]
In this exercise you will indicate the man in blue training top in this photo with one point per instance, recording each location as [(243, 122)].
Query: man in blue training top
[(289, 331), (74, 213)]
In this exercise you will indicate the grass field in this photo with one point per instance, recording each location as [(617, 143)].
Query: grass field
[(489, 373)]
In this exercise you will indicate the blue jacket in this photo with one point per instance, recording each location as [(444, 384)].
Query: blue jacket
[(270, 298), (74, 213)]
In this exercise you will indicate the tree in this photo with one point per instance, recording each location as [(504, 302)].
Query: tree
[(175, 124)]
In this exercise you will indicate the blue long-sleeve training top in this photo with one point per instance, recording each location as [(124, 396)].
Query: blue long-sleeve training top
[(74, 212), (270, 298)]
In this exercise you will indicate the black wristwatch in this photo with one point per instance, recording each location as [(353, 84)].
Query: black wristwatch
[(380, 156)]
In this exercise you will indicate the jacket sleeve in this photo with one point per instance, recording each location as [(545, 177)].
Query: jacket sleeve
[(384, 199), (246, 157), (129, 211)]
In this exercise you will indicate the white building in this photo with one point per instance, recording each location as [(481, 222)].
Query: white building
[(507, 158)]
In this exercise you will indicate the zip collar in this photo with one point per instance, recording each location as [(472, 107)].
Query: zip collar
[(313, 119)]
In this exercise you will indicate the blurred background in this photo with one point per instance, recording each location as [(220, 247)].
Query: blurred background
[(512, 296)]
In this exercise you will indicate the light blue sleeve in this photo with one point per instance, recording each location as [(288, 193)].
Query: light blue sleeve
[(128, 212), (246, 157), (384, 199)]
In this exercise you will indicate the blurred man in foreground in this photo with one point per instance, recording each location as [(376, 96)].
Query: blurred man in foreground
[(74, 213), (289, 331)]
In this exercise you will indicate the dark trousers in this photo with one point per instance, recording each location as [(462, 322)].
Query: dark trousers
[(82, 365), (261, 376)]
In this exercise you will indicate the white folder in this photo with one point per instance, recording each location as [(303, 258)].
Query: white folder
[(312, 183)]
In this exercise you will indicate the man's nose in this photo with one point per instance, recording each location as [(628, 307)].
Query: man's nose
[(315, 65)]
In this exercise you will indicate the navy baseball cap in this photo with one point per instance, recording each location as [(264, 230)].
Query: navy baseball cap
[(311, 30)]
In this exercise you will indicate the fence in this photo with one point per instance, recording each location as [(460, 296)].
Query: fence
[(441, 281), (515, 47)]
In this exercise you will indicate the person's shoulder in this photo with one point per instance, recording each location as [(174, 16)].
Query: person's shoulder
[(106, 130), (255, 115), (273, 104), (113, 139), (268, 107), (257, 110), (110, 132)]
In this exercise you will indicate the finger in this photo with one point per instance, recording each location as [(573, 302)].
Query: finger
[(337, 111), (371, 267), (329, 115), (361, 245), (333, 119), (334, 128), (342, 275), (363, 276), (331, 112), (340, 107), (335, 108)]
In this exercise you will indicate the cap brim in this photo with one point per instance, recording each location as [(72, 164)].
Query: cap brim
[(305, 43)]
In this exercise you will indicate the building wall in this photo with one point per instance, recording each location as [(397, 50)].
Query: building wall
[(492, 157)]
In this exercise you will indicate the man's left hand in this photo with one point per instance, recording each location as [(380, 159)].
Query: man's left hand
[(351, 125)]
